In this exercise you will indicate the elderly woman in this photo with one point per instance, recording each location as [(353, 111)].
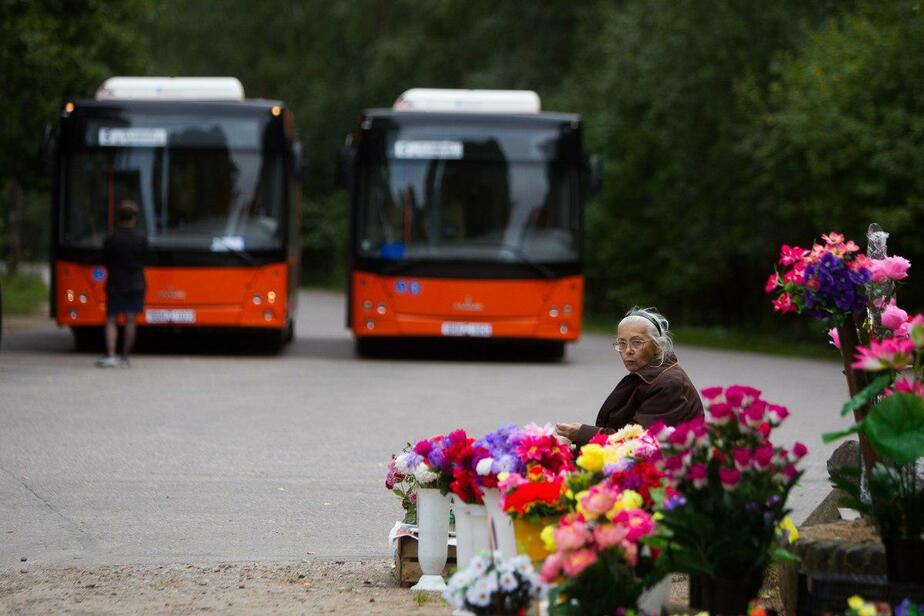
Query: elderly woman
[(656, 387)]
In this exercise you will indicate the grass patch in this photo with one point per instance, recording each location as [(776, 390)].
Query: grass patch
[(711, 337), (22, 293), (421, 597)]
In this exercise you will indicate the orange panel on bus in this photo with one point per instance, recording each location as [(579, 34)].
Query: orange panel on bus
[(186, 296), (414, 306)]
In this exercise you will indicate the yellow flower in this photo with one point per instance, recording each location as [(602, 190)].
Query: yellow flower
[(786, 526), (591, 458), (868, 610), (630, 431), (548, 538), (855, 602), (502, 475), (577, 499), (628, 499), (657, 516)]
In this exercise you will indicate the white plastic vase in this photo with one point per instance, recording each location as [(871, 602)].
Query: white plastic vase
[(500, 535), (432, 538), (471, 531), (653, 599)]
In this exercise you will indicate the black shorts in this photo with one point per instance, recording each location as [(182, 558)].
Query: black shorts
[(131, 302)]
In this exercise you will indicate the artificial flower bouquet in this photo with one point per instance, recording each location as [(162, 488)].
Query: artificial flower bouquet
[(734, 483), (625, 458), (598, 558), (538, 491), (502, 455), (401, 481), (447, 462), (494, 585)]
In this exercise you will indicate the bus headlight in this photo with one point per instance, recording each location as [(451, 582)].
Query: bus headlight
[(271, 297), (267, 316), (553, 311), (370, 324), (367, 305), (257, 300), (73, 315), (69, 295), (567, 309), (84, 298), (381, 309), (563, 329)]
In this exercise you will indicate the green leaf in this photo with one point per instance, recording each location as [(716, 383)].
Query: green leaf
[(895, 428), (867, 393), (833, 436)]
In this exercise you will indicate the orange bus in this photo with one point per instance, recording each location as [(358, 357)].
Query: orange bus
[(466, 219), (217, 180)]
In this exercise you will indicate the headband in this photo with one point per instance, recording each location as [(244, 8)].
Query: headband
[(648, 318)]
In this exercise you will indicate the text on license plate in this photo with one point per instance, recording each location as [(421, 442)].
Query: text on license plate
[(155, 315), (457, 328)]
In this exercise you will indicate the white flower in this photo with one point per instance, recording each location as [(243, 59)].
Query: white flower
[(523, 565), (401, 463), (425, 475), (479, 594), (508, 581), (490, 581), (477, 566), (484, 466), (454, 597), (460, 579)]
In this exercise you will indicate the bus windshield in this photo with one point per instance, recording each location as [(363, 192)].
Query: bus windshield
[(493, 210), (201, 194)]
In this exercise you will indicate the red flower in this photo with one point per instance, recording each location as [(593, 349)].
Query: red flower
[(528, 494)]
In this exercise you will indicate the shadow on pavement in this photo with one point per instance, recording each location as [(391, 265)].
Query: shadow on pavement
[(459, 349)]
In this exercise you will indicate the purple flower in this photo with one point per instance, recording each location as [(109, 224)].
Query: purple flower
[(672, 502)]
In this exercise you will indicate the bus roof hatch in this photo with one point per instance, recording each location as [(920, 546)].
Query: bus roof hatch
[(172, 88), (468, 101)]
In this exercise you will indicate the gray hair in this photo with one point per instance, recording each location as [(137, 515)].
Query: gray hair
[(657, 326)]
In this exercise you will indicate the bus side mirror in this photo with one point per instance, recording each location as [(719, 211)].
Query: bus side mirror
[(595, 175), (345, 161), (49, 150)]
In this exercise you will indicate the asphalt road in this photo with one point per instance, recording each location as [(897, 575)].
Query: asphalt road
[(199, 456)]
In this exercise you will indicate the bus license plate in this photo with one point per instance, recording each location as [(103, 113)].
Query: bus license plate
[(456, 328), (170, 316)]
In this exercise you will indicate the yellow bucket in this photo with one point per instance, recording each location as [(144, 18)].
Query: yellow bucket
[(528, 538)]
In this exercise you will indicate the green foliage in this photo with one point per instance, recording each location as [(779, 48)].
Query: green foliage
[(602, 588), (22, 294), (867, 394), (896, 498), (726, 128), (894, 428)]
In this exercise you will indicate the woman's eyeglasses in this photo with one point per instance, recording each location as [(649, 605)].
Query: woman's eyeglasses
[(635, 343)]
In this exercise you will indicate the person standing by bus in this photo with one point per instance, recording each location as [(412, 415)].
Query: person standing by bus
[(123, 255)]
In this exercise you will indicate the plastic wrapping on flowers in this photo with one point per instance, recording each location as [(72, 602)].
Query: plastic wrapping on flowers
[(731, 519)]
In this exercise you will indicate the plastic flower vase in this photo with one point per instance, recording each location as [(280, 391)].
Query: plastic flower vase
[(528, 538), (471, 531), (433, 536), (500, 525)]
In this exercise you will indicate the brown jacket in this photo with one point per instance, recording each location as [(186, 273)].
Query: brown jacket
[(650, 394)]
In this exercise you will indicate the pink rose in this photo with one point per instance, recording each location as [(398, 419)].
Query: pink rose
[(551, 568), (893, 317), (778, 412), (763, 456), (572, 536), (730, 478), (576, 562), (742, 457), (697, 474), (608, 535), (890, 268), (720, 413), (712, 393), (598, 502)]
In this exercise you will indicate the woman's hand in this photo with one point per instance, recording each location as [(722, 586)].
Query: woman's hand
[(568, 430)]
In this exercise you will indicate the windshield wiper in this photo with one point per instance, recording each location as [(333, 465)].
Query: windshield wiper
[(520, 254)]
